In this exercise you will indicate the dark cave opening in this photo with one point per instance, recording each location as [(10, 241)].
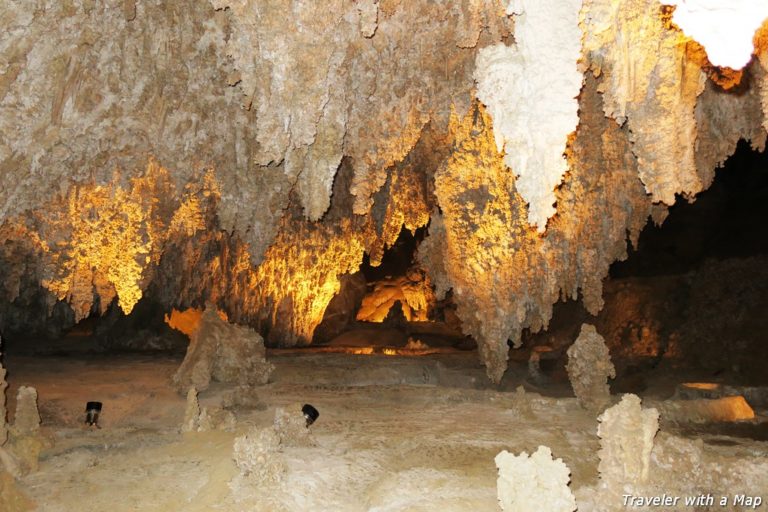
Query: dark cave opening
[(728, 220), (691, 297)]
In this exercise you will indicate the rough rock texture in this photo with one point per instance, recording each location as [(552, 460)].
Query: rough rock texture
[(258, 455), (26, 421), (222, 352), (12, 499), (536, 482), (626, 433), (482, 246), (341, 310), (589, 368), (26, 442), (413, 290), (291, 426), (191, 412), (249, 153), (534, 111), (730, 408)]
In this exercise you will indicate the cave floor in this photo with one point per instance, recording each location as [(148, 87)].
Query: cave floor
[(394, 434)]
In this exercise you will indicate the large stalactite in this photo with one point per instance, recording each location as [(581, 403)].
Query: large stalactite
[(250, 153)]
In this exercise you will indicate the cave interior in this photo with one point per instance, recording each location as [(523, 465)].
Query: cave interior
[(512, 264)]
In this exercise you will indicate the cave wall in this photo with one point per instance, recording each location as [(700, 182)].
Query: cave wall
[(249, 153)]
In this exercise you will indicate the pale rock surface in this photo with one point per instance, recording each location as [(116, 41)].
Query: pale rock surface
[(626, 433), (534, 110), (191, 412), (533, 483), (724, 28), (259, 457), (589, 367), (291, 426), (26, 421), (661, 125), (222, 352)]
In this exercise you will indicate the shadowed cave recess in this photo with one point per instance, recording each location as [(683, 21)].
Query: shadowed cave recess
[(464, 231)]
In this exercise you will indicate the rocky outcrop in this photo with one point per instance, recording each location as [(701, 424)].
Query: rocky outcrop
[(589, 368), (222, 352)]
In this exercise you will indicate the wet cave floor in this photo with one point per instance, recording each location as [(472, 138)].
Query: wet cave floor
[(394, 433)]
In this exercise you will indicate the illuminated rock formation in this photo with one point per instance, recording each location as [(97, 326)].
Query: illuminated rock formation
[(249, 155), (589, 368), (413, 290), (534, 111), (536, 482)]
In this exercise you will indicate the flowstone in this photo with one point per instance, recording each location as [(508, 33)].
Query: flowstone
[(222, 352), (533, 483), (589, 367)]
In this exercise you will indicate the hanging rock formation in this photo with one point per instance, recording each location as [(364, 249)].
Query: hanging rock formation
[(248, 154)]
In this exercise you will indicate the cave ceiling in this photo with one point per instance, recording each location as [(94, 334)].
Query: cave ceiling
[(249, 153)]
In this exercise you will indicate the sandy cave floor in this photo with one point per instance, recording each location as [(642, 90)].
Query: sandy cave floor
[(394, 434)]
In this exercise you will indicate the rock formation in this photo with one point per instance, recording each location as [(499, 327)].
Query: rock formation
[(222, 352), (626, 433), (191, 412), (531, 483), (248, 157), (589, 368), (258, 455), (291, 425), (413, 290)]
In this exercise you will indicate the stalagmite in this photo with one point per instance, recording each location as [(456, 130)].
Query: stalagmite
[(626, 433), (589, 368), (27, 418), (532, 483), (191, 412), (222, 352)]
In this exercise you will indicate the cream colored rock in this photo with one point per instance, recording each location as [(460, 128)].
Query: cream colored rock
[(258, 456), (191, 412), (725, 28), (626, 433), (533, 483), (291, 426), (589, 368), (27, 418), (533, 110), (222, 352)]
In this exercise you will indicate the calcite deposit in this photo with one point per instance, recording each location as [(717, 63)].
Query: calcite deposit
[(589, 368), (259, 457), (626, 433), (536, 482), (249, 154), (222, 352)]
